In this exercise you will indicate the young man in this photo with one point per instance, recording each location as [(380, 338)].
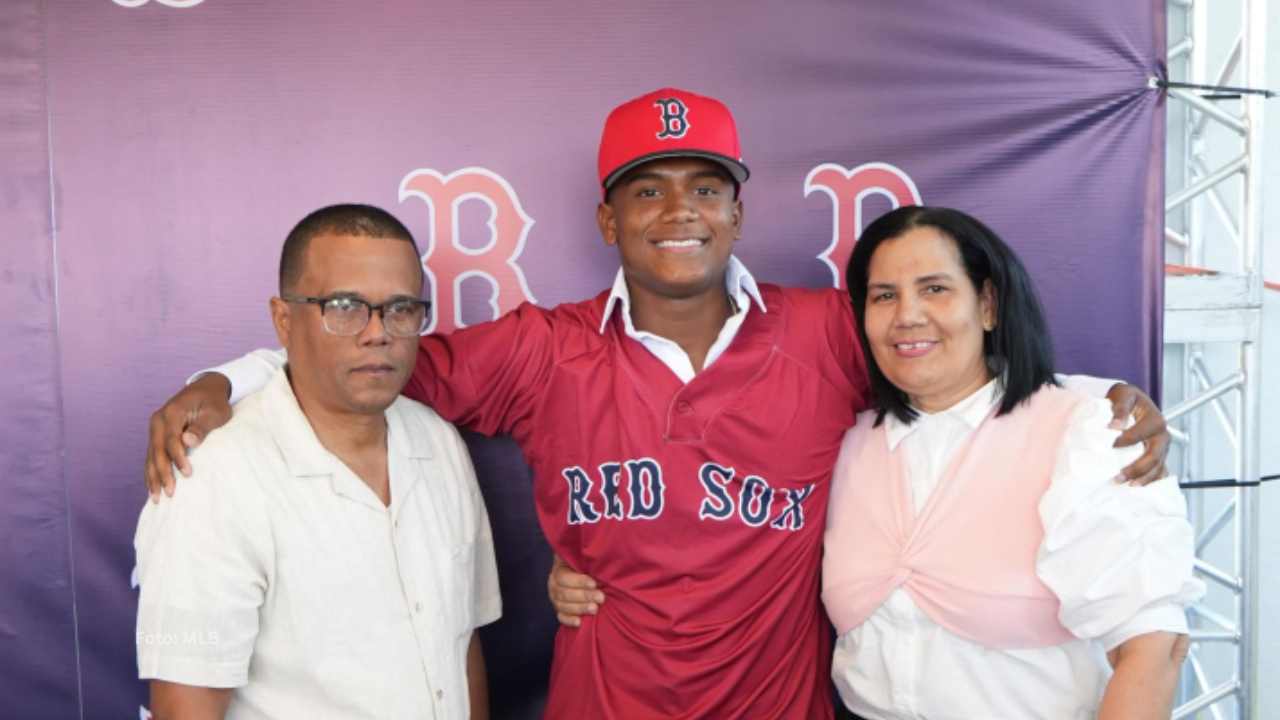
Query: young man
[(682, 428), (331, 555)]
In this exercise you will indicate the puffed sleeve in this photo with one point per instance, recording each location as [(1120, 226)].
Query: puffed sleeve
[(1118, 557)]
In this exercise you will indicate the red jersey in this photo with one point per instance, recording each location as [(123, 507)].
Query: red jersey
[(698, 508)]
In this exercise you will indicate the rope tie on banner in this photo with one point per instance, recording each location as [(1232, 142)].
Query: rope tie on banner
[(1218, 92), (1226, 483)]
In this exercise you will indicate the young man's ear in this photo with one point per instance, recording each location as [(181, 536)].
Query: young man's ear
[(607, 221)]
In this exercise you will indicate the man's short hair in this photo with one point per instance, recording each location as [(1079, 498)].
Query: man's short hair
[(343, 219)]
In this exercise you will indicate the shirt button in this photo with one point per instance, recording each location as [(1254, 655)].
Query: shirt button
[(417, 607), (684, 408), (439, 694)]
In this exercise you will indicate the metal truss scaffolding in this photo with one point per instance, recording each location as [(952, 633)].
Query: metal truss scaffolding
[(1212, 332)]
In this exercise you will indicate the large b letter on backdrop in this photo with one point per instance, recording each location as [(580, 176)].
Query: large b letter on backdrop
[(448, 262), (154, 154)]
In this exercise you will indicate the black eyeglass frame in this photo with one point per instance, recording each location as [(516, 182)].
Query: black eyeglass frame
[(370, 309)]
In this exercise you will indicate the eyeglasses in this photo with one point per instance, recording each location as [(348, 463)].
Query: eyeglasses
[(347, 315)]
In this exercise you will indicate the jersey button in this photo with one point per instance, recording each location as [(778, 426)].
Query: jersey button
[(684, 408)]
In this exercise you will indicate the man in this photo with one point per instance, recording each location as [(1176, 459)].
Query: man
[(682, 429), (331, 556)]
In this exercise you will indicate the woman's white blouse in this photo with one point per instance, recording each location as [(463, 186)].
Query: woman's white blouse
[(1119, 558)]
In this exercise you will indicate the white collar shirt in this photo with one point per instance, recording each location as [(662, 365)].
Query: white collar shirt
[(901, 665), (934, 437), (277, 571), (742, 290)]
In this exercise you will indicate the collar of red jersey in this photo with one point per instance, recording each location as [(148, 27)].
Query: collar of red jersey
[(738, 281)]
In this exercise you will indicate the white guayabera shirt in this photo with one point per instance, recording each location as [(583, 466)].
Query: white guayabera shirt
[(275, 570)]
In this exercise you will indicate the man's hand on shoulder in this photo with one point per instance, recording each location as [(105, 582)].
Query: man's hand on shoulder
[(182, 424), (1148, 428)]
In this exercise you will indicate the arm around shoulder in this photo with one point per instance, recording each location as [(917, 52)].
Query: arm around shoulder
[(489, 377), (1118, 557), (1146, 424), (203, 405), (247, 374)]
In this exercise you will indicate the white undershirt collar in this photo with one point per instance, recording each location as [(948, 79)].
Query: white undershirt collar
[(742, 290), (738, 281), (971, 411)]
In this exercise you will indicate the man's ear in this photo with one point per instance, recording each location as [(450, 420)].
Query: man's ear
[(607, 221), (281, 319), (737, 219)]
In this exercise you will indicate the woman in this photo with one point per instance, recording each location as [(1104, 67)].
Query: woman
[(980, 561)]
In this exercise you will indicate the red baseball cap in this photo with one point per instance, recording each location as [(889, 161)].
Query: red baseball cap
[(669, 123)]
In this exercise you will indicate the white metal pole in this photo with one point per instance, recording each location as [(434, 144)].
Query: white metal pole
[(1253, 59)]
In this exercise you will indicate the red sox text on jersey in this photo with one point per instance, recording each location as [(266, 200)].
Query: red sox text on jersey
[(640, 480)]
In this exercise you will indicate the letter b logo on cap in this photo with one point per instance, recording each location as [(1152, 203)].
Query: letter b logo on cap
[(675, 118)]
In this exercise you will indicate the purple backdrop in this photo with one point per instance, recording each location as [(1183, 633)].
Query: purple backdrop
[(154, 155)]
